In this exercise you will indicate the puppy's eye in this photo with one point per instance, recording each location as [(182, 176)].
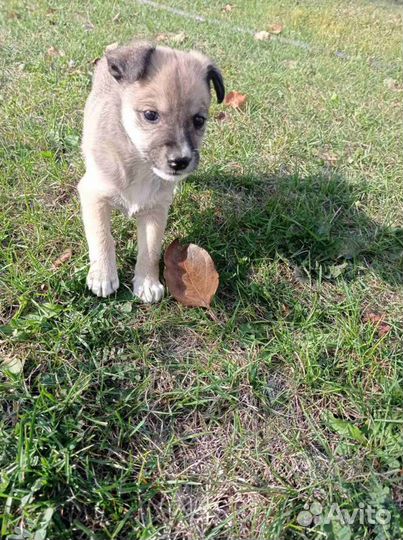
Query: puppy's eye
[(198, 121), (151, 116)]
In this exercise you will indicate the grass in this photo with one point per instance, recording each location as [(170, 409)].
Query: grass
[(148, 422)]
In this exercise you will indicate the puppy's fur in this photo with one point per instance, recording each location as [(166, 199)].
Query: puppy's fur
[(142, 133)]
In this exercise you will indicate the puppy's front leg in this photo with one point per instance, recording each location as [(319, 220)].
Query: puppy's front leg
[(150, 232), (102, 277)]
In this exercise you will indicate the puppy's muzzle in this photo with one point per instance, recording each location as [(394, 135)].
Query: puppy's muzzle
[(179, 163)]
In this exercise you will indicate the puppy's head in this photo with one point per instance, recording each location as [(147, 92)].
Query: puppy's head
[(165, 101)]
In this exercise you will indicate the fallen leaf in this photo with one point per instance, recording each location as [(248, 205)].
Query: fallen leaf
[(64, 257), (236, 167), (228, 8), (377, 320), (329, 158), (178, 38), (392, 84), (262, 36), (222, 117), (175, 38), (112, 46), (88, 26), (336, 270), (300, 275), (285, 310), (116, 18), (276, 28), (53, 52), (235, 100), (190, 274), (13, 15), (290, 64), (12, 364)]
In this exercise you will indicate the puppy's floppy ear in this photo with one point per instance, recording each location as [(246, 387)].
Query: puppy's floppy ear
[(214, 76), (129, 63)]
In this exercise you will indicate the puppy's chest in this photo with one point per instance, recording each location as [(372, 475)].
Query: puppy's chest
[(144, 192)]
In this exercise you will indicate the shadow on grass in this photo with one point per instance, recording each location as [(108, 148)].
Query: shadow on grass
[(315, 223)]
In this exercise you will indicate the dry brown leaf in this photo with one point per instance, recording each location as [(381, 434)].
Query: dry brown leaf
[(53, 52), (190, 274), (112, 46), (329, 158), (290, 64), (64, 257), (377, 320), (175, 38), (262, 36), (393, 84), (222, 117), (178, 38), (12, 364), (276, 28), (235, 100), (88, 26), (228, 8)]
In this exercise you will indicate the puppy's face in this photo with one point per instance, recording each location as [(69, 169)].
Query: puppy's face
[(165, 102)]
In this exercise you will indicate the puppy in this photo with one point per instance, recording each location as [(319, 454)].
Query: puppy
[(144, 121)]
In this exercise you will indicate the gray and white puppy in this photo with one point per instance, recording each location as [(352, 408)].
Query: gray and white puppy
[(143, 125)]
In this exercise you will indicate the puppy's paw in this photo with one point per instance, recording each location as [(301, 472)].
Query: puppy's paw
[(147, 289), (102, 281)]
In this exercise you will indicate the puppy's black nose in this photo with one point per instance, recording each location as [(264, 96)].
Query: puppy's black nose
[(179, 163)]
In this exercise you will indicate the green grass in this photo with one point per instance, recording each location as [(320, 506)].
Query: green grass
[(157, 422)]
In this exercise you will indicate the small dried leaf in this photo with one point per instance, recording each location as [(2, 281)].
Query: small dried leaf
[(228, 8), (300, 275), (377, 320), (116, 18), (175, 38), (88, 26), (190, 274), (290, 64), (12, 364), (392, 84), (64, 257), (276, 28), (178, 38), (336, 270), (329, 158), (235, 100), (13, 15), (222, 117), (53, 52), (262, 36), (112, 46)]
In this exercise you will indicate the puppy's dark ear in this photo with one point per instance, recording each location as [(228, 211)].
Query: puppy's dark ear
[(129, 63), (214, 76)]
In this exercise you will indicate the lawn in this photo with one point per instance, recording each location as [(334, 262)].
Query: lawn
[(126, 421)]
